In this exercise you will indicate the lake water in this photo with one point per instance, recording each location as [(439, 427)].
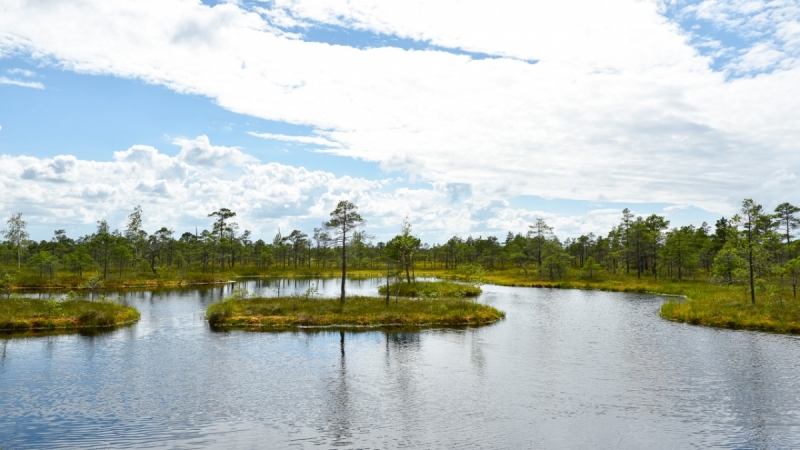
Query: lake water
[(565, 369)]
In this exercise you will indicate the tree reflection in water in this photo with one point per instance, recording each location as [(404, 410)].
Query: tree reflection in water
[(339, 424)]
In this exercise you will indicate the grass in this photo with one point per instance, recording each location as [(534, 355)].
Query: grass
[(18, 314), (431, 289), (734, 310), (356, 312), (26, 280), (30, 279), (705, 303)]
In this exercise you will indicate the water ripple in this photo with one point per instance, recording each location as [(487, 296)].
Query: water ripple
[(565, 369)]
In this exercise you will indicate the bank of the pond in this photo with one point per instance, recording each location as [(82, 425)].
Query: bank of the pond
[(356, 312), (702, 303), (725, 312), (430, 289), (19, 314), (27, 279), (707, 303), (90, 284)]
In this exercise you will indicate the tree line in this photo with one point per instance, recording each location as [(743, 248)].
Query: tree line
[(754, 246)]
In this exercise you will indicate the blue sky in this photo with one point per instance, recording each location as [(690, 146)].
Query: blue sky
[(463, 119)]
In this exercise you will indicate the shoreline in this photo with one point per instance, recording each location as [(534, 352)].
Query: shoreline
[(696, 294)]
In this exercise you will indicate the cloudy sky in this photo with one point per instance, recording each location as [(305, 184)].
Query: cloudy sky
[(465, 116)]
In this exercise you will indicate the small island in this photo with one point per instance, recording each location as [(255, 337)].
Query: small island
[(287, 312), (431, 289), (20, 314)]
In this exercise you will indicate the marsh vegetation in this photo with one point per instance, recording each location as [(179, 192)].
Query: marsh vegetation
[(68, 312), (751, 256), (430, 289), (357, 311)]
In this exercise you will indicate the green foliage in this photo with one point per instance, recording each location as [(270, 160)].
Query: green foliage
[(403, 247), (590, 267), (7, 280), (311, 291), (473, 274), (728, 264), (93, 282)]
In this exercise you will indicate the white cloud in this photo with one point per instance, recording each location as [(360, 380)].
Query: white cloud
[(298, 139), (22, 72), (760, 57), (27, 84), (619, 107), (67, 192), (179, 192), (199, 151), (175, 191), (598, 221), (768, 31), (675, 208)]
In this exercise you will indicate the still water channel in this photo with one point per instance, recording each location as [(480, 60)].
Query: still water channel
[(565, 369)]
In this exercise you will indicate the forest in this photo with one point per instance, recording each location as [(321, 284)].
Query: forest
[(754, 247)]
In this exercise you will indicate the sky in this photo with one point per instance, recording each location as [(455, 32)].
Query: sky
[(465, 117)]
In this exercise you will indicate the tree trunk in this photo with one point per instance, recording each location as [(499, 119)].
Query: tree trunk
[(752, 278), (344, 262)]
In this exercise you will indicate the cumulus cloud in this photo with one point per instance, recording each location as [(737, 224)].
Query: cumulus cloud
[(175, 191), (200, 152), (618, 106), (72, 193)]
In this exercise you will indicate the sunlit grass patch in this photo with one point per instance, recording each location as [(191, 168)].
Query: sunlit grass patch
[(736, 312), (19, 314), (356, 311)]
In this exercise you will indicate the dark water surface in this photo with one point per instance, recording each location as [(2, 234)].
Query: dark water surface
[(565, 369)]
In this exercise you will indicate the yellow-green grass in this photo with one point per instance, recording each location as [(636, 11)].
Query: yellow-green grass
[(703, 303), (30, 279), (735, 311), (431, 289), (18, 314), (290, 312), (27, 280)]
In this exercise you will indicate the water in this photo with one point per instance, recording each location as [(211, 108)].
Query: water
[(565, 369)]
